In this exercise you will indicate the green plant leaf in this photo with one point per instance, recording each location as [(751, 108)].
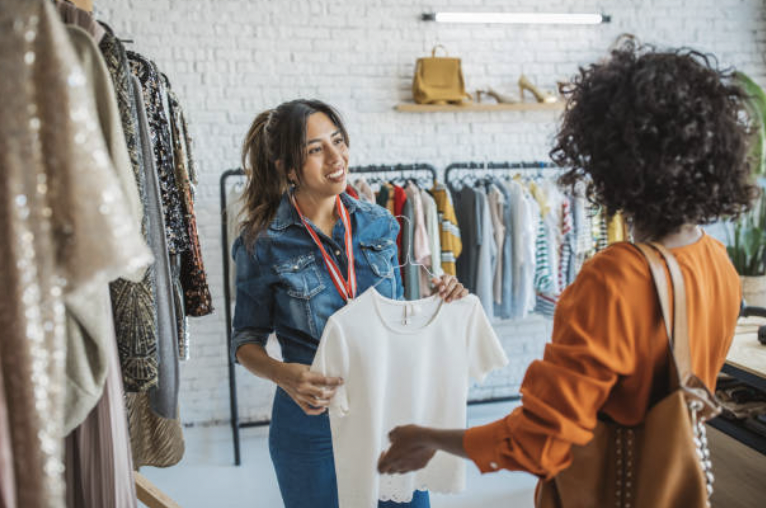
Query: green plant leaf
[(756, 106)]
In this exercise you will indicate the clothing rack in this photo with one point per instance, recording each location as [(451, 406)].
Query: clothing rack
[(403, 170), (459, 170), (453, 169)]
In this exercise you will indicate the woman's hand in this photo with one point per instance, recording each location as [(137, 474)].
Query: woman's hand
[(412, 447), (410, 450), (449, 288), (311, 391)]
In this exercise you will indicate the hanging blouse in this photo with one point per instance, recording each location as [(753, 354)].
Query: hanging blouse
[(451, 243), (133, 304), (175, 223), (197, 299)]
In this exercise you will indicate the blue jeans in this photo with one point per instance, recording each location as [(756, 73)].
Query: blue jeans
[(301, 450)]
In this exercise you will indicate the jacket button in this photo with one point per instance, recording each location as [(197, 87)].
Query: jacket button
[(337, 253), (493, 465)]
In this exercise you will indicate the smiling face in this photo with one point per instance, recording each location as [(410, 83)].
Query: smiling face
[(326, 159)]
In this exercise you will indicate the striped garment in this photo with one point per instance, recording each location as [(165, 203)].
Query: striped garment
[(546, 300), (451, 245)]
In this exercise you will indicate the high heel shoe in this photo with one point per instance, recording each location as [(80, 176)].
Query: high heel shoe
[(540, 96), (500, 98)]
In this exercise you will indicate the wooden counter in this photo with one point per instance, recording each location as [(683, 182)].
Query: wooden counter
[(746, 361)]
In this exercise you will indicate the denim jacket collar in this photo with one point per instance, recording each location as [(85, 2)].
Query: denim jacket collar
[(287, 215)]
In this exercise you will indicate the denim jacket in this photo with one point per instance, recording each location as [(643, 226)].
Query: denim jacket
[(283, 285)]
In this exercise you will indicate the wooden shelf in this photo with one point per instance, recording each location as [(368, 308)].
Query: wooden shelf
[(411, 107)]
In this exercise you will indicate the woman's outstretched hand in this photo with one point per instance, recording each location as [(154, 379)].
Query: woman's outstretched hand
[(413, 446), (311, 391), (410, 450), (449, 288)]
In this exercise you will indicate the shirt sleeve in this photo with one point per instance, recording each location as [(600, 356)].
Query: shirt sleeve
[(563, 392), (331, 360), (485, 353), (253, 311)]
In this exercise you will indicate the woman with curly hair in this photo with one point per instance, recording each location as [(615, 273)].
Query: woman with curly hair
[(661, 137)]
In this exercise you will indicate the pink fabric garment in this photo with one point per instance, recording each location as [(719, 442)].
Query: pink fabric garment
[(7, 478), (422, 249), (364, 190), (99, 465)]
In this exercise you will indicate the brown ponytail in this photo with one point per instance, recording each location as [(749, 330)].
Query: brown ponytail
[(274, 145)]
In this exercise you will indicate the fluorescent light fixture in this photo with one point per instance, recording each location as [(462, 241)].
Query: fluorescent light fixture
[(516, 18)]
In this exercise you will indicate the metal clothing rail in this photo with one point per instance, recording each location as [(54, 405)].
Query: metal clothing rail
[(494, 166), (403, 170)]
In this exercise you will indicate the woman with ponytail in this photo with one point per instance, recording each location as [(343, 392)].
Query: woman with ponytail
[(298, 222)]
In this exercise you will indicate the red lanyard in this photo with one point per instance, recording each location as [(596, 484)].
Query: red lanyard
[(346, 287)]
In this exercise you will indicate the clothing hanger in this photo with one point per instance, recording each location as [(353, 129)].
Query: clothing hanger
[(407, 260)]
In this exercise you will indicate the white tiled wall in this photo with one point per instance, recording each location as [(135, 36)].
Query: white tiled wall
[(229, 59)]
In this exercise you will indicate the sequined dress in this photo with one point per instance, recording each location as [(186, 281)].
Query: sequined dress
[(66, 226)]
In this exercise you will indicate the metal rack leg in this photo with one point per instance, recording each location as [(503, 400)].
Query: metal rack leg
[(234, 412), (227, 313)]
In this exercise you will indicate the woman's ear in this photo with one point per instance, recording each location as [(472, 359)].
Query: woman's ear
[(292, 176)]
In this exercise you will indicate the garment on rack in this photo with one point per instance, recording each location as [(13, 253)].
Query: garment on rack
[(364, 190), (400, 198), (386, 197), (351, 191), (90, 332), (154, 440), (157, 111), (567, 270), (581, 218), (469, 212), (410, 272), (67, 220), (487, 254), (553, 226), (450, 236), (197, 299), (420, 244), (600, 229), (133, 304), (369, 344), (504, 309), (543, 271), (164, 394), (496, 201), (7, 475), (175, 224), (234, 207), (99, 468), (433, 230), (73, 15), (525, 220)]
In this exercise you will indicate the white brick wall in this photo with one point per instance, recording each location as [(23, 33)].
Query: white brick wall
[(229, 59)]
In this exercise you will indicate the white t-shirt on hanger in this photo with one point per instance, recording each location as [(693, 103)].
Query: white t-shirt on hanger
[(402, 362)]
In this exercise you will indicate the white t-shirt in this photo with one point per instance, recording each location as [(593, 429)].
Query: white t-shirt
[(402, 362)]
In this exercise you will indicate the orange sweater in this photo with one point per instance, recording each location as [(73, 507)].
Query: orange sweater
[(609, 354)]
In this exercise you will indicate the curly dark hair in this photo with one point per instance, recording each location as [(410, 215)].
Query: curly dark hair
[(661, 136)]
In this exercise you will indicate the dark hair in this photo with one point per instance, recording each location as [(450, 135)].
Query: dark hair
[(661, 136), (275, 145)]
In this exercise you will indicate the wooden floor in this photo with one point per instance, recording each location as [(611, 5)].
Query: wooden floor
[(740, 473)]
